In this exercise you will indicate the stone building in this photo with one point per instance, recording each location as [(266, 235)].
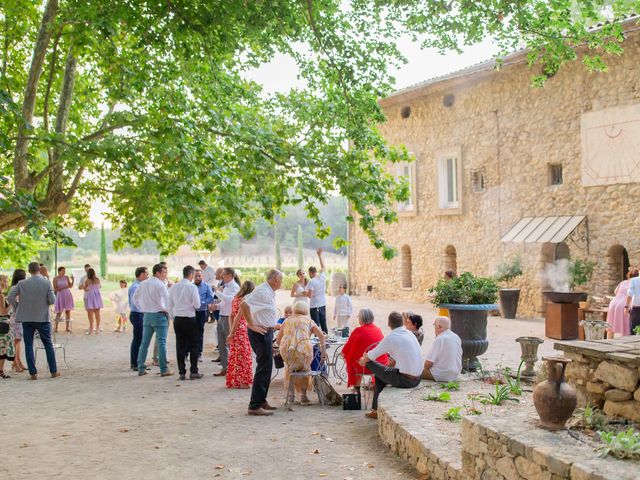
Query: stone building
[(503, 169)]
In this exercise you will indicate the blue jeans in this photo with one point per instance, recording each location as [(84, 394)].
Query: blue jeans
[(136, 320), (157, 323), (44, 330)]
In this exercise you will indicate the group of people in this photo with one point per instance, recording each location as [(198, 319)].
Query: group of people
[(247, 320)]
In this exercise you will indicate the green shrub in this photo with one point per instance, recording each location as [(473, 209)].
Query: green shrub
[(624, 444), (465, 289), (509, 270), (580, 272)]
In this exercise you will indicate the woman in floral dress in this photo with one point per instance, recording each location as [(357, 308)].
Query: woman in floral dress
[(239, 371), (7, 351), (294, 341)]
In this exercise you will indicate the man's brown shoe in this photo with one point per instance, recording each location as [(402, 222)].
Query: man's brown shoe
[(221, 373), (34, 376), (55, 375), (168, 373), (372, 414), (266, 406), (261, 412)]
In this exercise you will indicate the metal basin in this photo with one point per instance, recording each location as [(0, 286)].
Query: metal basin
[(565, 297)]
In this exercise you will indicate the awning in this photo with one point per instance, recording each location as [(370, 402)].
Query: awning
[(543, 229)]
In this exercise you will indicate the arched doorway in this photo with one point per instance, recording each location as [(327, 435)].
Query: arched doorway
[(405, 258), (617, 266), (450, 259), (562, 252), (550, 253)]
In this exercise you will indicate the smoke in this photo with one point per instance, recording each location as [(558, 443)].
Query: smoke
[(556, 275)]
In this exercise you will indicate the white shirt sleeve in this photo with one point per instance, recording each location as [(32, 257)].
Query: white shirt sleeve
[(382, 348), (195, 297)]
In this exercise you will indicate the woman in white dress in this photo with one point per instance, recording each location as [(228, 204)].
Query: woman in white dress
[(299, 289)]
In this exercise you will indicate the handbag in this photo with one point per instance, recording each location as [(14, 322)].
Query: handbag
[(4, 328), (351, 401)]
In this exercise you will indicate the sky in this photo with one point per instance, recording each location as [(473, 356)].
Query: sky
[(280, 75)]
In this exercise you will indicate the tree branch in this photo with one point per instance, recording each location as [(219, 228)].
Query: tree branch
[(47, 92), (23, 180)]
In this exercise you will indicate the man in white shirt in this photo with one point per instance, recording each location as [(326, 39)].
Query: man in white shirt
[(316, 290), (152, 297), (444, 358), (403, 347), (184, 298), (633, 304), (260, 312), (83, 277), (208, 273), (225, 294)]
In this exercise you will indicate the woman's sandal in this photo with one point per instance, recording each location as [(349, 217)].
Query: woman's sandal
[(4, 375)]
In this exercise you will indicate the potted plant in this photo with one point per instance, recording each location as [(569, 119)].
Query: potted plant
[(580, 272), (509, 297), (468, 299)]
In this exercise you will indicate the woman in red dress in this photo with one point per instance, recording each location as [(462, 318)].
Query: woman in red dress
[(239, 371), (361, 340)]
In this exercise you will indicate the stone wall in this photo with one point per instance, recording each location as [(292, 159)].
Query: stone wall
[(512, 131), (605, 376), (507, 448)]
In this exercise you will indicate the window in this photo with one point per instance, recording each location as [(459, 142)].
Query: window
[(555, 173), (405, 253), (449, 180), (407, 170), (478, 180)]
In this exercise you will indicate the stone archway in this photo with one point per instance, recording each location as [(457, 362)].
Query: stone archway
[(405, 259), (617, 266), (450, 259), (549, 254)]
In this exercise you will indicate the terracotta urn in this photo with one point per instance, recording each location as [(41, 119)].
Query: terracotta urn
[(554, 399)]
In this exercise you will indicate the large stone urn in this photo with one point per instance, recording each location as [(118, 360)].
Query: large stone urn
[(594, 329), (554, 399), (469, 322), (509, 298), (529, 347)]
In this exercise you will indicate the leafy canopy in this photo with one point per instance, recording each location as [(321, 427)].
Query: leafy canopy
[(147, 106)]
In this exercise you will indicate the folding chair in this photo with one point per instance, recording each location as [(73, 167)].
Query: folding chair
[(318, 367), (56, 346)]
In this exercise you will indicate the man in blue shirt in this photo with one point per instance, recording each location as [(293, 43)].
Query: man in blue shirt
[(206, 298), (136, 316)]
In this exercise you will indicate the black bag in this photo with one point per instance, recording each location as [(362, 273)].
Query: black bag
[(351, 401), (4, 328), (278, 362)]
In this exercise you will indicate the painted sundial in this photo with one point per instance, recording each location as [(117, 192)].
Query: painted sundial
[(611, 146)]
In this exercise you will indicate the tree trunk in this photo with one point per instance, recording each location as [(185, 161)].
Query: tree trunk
[(22, 177), (55, 190)]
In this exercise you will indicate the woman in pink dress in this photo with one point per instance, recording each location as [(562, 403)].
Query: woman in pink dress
[(239, 372), (617, 316), (64, 300), (92, 300)]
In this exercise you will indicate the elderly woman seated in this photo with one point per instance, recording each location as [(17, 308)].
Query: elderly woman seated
[(361, 340), (294, 341), (413, 323)]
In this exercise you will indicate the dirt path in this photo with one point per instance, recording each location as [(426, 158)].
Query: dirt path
[(100, 420)]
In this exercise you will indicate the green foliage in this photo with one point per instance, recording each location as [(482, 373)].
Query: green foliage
[(450, 386), (434, 396), (465, 289), (300, 251), (593, 418), (509, 270), (580, 272), (636, 330), (625, 444), (165, 126), (501, 395), (453, 414), (103, 252)]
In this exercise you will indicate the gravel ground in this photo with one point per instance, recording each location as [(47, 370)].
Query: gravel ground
[(100, 420)]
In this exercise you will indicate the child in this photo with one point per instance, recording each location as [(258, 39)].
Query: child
[(120, 301), (343, 309), (6, 338), (288, 311)]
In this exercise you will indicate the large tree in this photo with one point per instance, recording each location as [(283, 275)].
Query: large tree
[(145, 104)]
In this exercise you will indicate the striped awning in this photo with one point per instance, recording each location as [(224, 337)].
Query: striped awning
[(543, 229)]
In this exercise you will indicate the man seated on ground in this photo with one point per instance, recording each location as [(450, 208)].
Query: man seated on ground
[(444, 358), (403, 347)]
